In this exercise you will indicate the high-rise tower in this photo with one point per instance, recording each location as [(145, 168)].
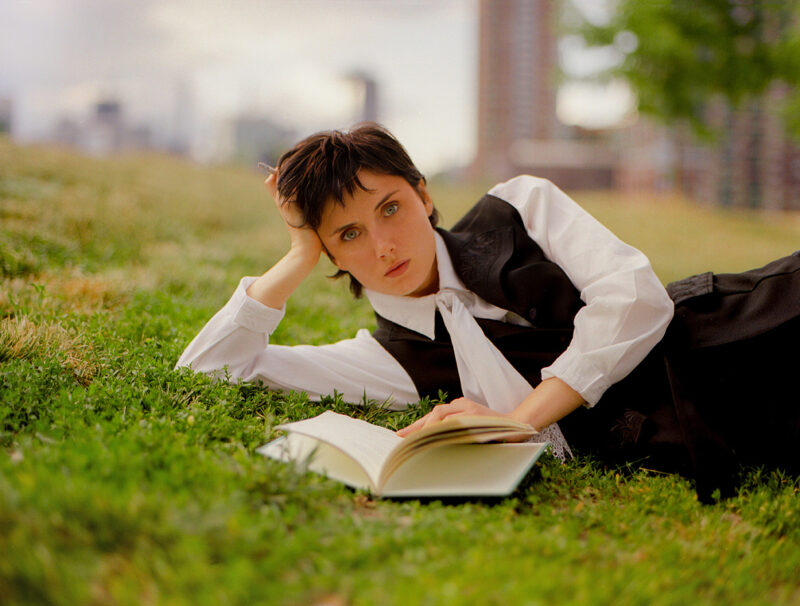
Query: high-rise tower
[(518, 130), (518, 59)]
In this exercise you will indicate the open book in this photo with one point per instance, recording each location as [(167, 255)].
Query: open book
[(449, 458)]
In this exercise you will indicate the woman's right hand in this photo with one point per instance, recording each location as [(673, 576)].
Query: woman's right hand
[(275, 287), (304, 240)]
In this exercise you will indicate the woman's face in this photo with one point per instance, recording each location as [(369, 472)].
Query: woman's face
[(383, 237)]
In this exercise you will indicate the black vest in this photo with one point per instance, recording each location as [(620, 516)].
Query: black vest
[(653, 413), (494, 257), (497, 260)]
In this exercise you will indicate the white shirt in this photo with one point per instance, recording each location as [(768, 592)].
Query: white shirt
[(626, 314)]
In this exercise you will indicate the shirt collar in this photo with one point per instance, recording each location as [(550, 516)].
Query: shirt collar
[(418, 313)]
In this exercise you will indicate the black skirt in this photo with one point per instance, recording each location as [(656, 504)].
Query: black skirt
[(719, 391)]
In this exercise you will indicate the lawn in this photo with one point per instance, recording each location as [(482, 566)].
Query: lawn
[(123, 481)]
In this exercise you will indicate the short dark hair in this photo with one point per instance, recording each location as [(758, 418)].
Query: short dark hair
[(324, 167)]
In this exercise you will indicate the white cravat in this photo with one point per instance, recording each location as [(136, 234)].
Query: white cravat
[(486, 376)]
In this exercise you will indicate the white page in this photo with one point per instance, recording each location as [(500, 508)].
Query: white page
[(367, 444), (464, 469), (319, 457)]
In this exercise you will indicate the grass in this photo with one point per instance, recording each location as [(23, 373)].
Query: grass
[(123, 481)]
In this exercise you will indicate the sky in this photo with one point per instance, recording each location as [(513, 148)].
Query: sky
[(188, 65)]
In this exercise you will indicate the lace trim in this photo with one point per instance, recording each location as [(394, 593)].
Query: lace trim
[(558, 443)]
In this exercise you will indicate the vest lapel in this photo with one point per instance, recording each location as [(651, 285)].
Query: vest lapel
[(494, 257), (479, 258)]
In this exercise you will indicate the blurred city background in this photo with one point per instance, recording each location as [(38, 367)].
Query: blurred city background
[(474, 88)]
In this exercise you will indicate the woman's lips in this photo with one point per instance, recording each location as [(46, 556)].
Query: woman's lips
[(398, 269)]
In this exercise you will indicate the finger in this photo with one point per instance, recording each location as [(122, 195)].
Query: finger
[(440, 413), (436, 414), (455, 407), (267, 168), (416, 425), (408, 429), (466, 405), (272, 184)]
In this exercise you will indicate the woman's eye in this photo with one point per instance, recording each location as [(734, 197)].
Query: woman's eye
[(391, 209), (349, 234)]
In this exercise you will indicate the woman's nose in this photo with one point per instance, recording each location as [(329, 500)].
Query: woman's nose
[(384, 245)]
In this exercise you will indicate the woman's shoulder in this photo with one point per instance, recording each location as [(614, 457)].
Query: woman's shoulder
[(520, 184), (504, 203)]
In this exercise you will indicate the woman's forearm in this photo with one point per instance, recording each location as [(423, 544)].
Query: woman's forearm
[(548, 403), (551, 401), (275, 287)]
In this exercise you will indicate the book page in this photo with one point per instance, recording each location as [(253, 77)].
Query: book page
[(315, 455), (369, 445), (471, 435), (459, 429), (471, 422), (464, 469)]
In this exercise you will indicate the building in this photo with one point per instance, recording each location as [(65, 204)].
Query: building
[(103, 131), (106, 129), (753, 163), (368, 94), (518, 130), (254, 139)]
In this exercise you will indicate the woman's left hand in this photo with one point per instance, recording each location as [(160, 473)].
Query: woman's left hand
[(459, 406)]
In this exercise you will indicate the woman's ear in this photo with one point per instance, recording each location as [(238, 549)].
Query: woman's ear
[(425, 197), (333, 259), (329, 255)]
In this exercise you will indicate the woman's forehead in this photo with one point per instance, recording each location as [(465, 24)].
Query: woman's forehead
[(377, 189), (373, 183)]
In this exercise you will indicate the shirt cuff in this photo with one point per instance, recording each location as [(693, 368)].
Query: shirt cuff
[(589, 382), (251, 314)]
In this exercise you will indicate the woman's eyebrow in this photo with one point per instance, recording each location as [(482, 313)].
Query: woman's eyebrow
[(342, 228), (377, 206), (386, 197)]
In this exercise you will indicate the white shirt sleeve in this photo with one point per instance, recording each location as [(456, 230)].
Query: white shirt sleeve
[(627, 308), (235, 344)]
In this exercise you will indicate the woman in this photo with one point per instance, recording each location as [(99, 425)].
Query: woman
[(527, 307)]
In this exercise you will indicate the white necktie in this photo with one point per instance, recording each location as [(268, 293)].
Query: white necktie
[(485, 374)]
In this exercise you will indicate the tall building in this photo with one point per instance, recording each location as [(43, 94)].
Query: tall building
[(105, 132), (518, 130), (516, 78), (254, 138), (754, 163), (751, 163), (368, 94)]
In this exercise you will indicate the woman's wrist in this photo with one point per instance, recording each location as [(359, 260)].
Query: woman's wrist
[(304, 255), (520, 415), (548, 403), (275, 287)]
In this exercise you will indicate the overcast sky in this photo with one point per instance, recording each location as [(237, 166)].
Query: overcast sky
[(191, 63)]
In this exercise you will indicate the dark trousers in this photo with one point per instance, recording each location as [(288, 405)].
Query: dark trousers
[(719, 391)]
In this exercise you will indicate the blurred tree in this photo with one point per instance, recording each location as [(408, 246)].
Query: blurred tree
[(679, 54)]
